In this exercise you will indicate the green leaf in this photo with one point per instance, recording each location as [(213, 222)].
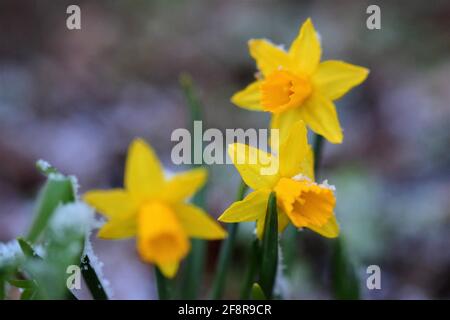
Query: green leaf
[(45, 168), (2, 287), (195, 262), (28, 294), (225, 252), (93, 282), (269, 261), (257, 292), (23, 284), (253, 266), (27, 250), (191, 97), (57, 190), (345, 280), (318, 148), (163, 285)]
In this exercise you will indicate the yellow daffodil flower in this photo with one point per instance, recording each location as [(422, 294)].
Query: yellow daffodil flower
[(295, 85), (154, 209), (300, 200)]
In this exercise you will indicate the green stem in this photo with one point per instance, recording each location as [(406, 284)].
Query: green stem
[(194, 270), (225, 252), (162, 284), (195, 262), (252, 270), (269, 255), (318, 147)]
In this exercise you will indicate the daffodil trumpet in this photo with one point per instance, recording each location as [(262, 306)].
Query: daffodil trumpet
[(300, 200), (294, 85), (154, 210)]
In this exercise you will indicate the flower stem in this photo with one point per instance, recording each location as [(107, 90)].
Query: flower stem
[(162, 284), (318, 147), (225, 252), (195, 262), (269, 248)]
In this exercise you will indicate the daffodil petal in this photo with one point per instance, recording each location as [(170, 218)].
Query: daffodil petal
[(251, 208), (284, 122), (268, 56), (306, 50), (169, 270), (335, 78), (249, 98), (294, 152), (113, 203), (184, 185), (319, 113), (143, 172), (329, 230), (197, 223), (257, 168), (118, 229)]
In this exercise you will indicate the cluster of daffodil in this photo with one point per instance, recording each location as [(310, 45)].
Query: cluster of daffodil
[(298, 90)]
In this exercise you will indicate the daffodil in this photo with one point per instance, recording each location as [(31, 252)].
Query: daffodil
[(154, 210), (300, 200), (295, 85)]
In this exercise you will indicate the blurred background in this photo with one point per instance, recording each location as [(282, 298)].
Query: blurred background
[(77, 98)]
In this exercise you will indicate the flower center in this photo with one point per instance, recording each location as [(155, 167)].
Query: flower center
[(305, 202), (283, 90), (161, 238)]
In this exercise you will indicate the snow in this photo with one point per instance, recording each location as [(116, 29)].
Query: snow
[(76, 216), (80, 217), (75, 186), (56, 176), (96, 264), (300, 177), (43, 165), (10, 253), (326, 185)]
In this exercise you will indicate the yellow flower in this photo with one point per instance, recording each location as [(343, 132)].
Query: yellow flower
[(295, 85), (154, 209), (300, 200)]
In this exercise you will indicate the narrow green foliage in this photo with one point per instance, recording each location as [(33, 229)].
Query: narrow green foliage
[(27, 249), (28, 294), (56, 191), (225, 252), (45, 168), (253, 267), (269, 261), (257, 292), (345, 280), (23, 284), (191, 97), (163, 285), (2, 287), (318, 146), (93, 282), (195, 261)]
